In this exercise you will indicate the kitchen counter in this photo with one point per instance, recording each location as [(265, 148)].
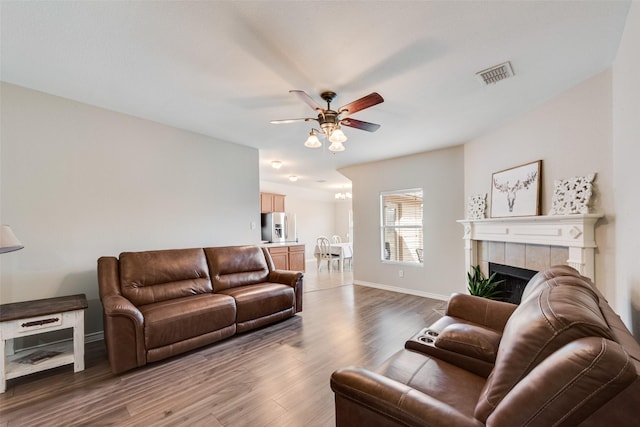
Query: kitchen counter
[(278, 244)]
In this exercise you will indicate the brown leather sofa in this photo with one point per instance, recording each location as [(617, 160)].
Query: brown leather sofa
[(157, 304), (561, 357)]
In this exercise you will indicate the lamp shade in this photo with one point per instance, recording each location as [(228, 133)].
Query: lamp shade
[(312, 141), (337, 136), (336, 147), (8, 241)]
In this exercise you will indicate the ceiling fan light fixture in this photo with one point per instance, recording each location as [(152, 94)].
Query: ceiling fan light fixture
[(312, 141), (330, 120), (336, 147), (337, 136)]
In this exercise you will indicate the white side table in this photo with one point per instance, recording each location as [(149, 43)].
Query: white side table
[(22, 319)]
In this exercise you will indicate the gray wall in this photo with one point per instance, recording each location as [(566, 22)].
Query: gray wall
[(80, 182), (626, 173), (572, 135), (440, 174)]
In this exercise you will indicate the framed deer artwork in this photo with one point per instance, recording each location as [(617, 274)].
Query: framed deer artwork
[(516, 191)]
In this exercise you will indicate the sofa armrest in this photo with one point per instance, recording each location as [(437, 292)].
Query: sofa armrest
[(123, 334), (123, 322), (286, 277), (117, 305), (482, 311), (291, 278), (369, 398)]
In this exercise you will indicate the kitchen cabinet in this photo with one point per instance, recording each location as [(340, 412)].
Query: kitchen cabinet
[(271, 202), (288, 257), (296, 257), (280, 257)]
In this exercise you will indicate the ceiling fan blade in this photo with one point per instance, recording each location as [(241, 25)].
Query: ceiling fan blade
[(362, 103), (307, 99), (279, 122), (359, 124)]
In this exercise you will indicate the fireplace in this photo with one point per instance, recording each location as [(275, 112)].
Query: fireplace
[(534, 243), (515, 279)]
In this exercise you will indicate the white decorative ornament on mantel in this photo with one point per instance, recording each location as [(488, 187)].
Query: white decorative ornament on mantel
[(571, 196), (476, 205)]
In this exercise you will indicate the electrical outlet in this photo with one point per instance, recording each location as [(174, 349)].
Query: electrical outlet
[(252, 225), (400, 273)]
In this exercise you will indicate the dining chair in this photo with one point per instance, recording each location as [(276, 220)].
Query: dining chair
[(348, 258), (324, 252), (336, 239)]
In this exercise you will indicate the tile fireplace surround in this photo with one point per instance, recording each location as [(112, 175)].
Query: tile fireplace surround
[(533, 242)]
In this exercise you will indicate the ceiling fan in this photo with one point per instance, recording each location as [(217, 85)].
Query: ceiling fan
[(331, 121)]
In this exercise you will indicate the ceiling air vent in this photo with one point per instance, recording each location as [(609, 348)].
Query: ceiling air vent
[(496, 73)]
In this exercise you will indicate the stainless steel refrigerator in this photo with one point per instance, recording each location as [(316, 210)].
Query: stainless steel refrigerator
[(274, 227)]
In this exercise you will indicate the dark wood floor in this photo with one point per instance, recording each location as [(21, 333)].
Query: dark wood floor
[(275, 376)]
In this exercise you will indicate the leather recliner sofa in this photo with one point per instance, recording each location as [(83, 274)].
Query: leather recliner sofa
[(561, 357), (157, 304)]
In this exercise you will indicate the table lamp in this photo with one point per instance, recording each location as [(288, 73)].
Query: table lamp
[(8, 241)]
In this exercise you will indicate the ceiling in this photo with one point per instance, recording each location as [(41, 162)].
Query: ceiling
[(224, 69)]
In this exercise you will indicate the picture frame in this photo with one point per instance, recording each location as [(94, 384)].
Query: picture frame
[(516, 191)]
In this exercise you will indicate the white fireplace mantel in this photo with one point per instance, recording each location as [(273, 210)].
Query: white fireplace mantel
[(576, 232)]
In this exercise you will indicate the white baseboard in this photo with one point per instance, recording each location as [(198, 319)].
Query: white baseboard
[(402, 290)]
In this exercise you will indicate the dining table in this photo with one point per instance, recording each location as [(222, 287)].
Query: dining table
[(343, 250)]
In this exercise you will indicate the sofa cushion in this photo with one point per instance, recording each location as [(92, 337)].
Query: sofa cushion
[(543, 279), (537, 282), (567, 386), (154, 276), (178, 319), (470, 340), (262, 299), (435, 378), (233, 266), (537, 328)]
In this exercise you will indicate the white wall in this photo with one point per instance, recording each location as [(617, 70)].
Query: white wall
[(314, 210), (80, 182), (343, 211), (440, 174), (571, 134), (626, 173)]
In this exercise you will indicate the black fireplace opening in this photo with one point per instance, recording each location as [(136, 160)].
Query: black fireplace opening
[(515, 280)]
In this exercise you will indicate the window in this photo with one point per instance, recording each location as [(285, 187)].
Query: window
[(401, 226)]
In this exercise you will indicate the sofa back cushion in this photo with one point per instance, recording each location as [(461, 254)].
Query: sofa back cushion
[(567, 386), (558, 315), (154, 276), (233, 266), (538, 281)]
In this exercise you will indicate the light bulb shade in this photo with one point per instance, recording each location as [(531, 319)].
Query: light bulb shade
[(8, 241), (293, 178), (336, 147), (276, 164), (338, 136), (312, 141)]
